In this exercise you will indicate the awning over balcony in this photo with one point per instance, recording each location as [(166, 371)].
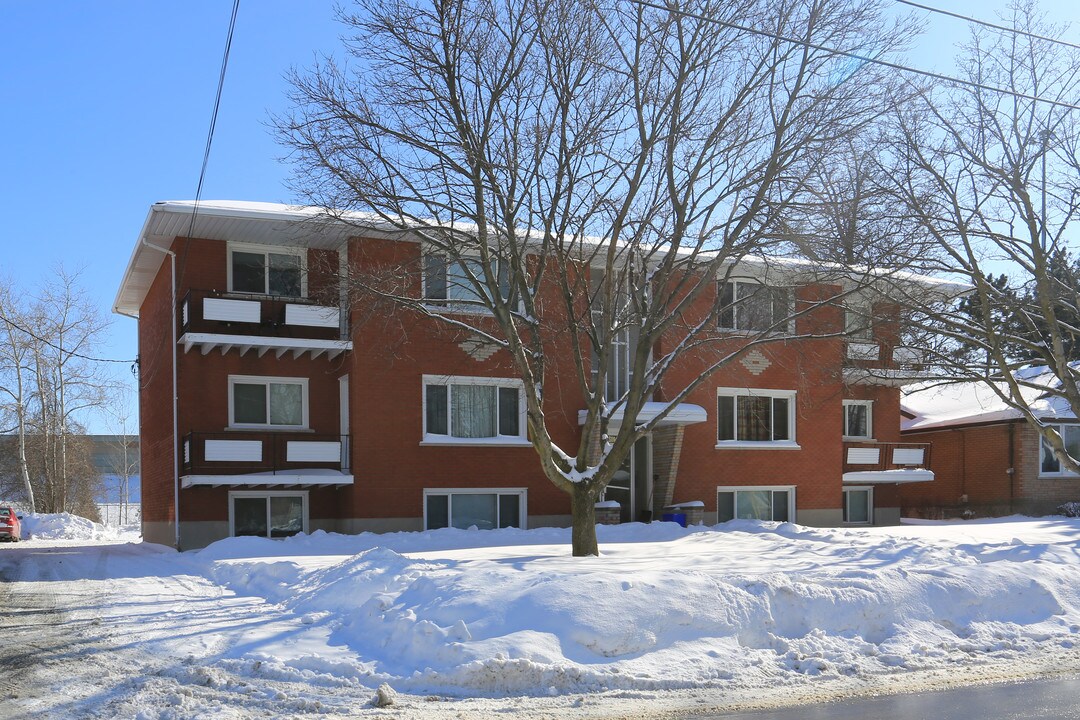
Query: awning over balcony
[(313, 477), (208, 342), (887, 477), (681, 414)]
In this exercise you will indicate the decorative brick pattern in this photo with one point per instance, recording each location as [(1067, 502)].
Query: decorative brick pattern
[(478, 348), (755, 362)]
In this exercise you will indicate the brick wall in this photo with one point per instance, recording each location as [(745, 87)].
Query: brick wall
[(971, 475), (155, 398), (393, 349), (971, 472)]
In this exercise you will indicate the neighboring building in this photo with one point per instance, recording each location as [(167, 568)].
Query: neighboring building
[(116, 457), (987, 460), (290, 416)]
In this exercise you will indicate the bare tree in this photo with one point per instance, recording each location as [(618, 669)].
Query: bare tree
[(580, 173), (993, 177), (848, 214), (47, 382), (15, 354), (122, 453)]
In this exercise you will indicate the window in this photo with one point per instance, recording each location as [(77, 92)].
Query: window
[(256, 401), (755, 503), (447, 282), (859, 505), (266, 272), (857, 324), (746, 305), (755, 418), (485, 509), (1049, 464), (858, 419), (473, 410), (267, 514)]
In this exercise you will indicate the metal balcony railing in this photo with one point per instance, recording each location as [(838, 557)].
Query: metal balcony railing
[(242, 452), (870, 456), (211, 311)]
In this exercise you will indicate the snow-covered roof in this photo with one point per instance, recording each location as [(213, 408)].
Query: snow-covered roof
[(939, 405), (266, 223), (261, 223)]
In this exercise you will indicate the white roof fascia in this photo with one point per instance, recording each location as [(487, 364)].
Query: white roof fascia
[(887, 477)]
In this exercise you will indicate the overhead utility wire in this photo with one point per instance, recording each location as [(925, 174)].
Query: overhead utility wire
[(984, 23), (856, 56), (214, 116), (53, 345)]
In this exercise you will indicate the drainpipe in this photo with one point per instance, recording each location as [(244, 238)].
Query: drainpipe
[(175, 422), (1012, 466)]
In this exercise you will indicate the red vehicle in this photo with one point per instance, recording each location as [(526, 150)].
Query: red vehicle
[(10, 526)]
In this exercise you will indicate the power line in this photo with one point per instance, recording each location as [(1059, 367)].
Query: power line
[(214, 115), (984, 23), (53, 345), (856, 56)]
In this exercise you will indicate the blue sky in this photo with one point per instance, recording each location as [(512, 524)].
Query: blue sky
[(107, 104)]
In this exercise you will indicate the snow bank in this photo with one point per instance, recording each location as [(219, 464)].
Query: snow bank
[(65, 526), (491, 613)]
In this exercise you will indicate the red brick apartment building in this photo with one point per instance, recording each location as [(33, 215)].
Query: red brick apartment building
[(267, 410), (987, 460)]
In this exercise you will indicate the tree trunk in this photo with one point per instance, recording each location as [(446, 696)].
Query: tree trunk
[(583, 523)]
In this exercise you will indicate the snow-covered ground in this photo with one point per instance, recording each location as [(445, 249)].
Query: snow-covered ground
[(746, 614)]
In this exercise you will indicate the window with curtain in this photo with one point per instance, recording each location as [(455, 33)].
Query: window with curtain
[(482, 509), (750, 503), (754, 416), (473, 408)]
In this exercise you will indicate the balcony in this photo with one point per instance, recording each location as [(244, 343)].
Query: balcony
[(211, 320), (264, 459), (871, 363), (879, 462)]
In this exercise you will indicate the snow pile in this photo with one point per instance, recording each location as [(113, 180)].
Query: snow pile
[(745, 604), (65, 526)]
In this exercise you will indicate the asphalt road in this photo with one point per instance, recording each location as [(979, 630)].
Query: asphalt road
[(1057, 698)]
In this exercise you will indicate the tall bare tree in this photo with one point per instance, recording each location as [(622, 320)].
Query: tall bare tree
[(993, 177), (580, 172), (48, 381), (15, 386)]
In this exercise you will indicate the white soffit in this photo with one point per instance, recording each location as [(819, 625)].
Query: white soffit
[(261, 344), (289, 478)]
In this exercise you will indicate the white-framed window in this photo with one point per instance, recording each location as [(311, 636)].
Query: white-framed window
[(745, 502), (754, 306), (256, 401), (447, 282), (268, 513), (859, 419), (859, 505), (755, 418), (483, 508), (1049, 465), (263, 270), (473, 410)]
